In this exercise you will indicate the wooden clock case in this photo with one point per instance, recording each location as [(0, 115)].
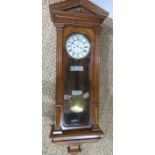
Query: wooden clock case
[(77, 16)]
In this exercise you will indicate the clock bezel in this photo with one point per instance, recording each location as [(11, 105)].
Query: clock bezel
[(73, 33)]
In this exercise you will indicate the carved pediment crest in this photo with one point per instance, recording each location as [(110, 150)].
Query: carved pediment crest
[(78, 8)]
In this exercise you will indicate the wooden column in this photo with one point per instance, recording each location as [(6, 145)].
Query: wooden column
[(96, 64), (59, 75)]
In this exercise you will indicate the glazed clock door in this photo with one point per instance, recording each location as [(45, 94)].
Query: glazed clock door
[(77, 55)]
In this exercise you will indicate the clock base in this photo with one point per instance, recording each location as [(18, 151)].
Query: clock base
[(74, 138)]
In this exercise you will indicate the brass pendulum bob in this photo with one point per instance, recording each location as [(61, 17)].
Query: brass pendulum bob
[(77, 104)]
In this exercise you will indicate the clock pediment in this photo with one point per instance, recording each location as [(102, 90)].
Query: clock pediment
[(80, 10), (77, 11)]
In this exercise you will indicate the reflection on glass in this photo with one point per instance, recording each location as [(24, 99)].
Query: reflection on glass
[(76, 91), (77, 95)]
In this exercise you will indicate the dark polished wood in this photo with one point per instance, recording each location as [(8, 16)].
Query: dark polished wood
[(81, 135), (59, 77), (77, 16), (90, 15), (70, 4)]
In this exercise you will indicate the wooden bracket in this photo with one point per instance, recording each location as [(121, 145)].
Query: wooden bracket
[(74, 149)]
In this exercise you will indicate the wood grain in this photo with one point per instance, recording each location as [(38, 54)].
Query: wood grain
[(77, 16)]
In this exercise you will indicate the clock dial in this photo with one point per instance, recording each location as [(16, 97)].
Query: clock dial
[(77, 46)]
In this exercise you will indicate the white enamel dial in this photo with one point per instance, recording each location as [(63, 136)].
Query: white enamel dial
[(77, 46)]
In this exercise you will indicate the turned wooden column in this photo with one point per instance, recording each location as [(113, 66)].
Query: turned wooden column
[(59, 75), (96, 75)]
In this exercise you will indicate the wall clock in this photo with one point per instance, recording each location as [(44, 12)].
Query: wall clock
[(78, 25)]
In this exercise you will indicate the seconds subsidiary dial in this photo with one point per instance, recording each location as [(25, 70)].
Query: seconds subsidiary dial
[(78, 46)]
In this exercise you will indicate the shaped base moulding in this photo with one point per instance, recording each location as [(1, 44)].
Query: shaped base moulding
[(73, 138)]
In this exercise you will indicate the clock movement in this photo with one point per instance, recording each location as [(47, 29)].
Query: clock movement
[(78, 26)]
